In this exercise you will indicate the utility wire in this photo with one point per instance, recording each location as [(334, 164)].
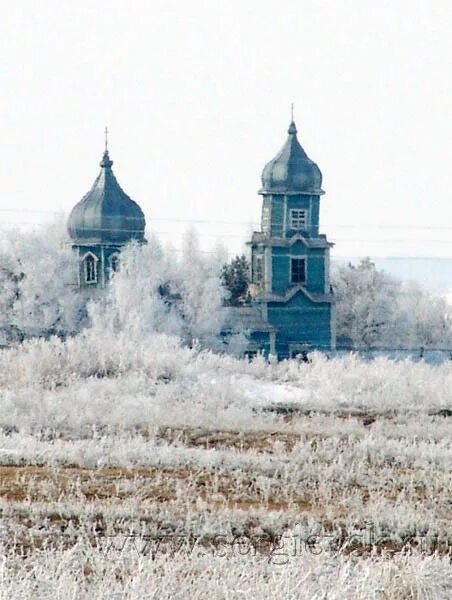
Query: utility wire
[(219, 235), (253, 222)]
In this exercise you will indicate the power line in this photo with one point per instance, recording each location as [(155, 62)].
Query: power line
[(337, 226), (255, 222), (122, 230), (29, 210)]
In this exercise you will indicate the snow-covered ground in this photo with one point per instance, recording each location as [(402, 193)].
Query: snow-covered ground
[(121, 439)]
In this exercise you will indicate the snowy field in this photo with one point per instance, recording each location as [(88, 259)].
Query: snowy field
[(144, 470)]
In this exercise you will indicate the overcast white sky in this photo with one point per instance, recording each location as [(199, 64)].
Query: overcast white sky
[(196, 95)]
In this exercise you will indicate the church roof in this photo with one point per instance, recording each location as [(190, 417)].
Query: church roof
[(291, 171), (293, 291), (106, 214), (260, 237)]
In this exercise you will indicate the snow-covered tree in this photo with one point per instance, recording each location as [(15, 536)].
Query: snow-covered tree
[(374, 309), (366, 301), (423, 320), (37, 274), (159, 291), (202, 294), (154, 291), (135, 299)]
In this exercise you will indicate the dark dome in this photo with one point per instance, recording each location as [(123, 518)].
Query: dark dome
[(106, 215), (291, 171)]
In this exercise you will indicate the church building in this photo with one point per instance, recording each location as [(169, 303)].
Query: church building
[(290, 260), (292, 304)]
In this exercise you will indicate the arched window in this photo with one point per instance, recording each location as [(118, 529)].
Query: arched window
[(90, 268), (114, 262)]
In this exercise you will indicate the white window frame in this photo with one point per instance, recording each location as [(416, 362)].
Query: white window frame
[(266, 219), (112, 257), (259, 260), (295, 257), (93, 257), (295, 218)]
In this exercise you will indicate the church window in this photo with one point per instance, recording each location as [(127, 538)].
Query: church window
[(114, 262), (259, 275), (298, 270), (90, 268), (298, 218), (266, 219)]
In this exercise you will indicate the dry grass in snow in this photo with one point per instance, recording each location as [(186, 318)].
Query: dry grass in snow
[(150, 471)]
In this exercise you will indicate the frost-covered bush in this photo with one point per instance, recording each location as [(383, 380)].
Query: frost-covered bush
[(109, 377), (86, 572), (112, 432)]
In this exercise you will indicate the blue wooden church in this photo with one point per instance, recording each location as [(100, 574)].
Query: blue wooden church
[(104, 220), (291, 311)]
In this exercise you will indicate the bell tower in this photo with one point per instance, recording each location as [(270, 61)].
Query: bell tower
[(289, 257)]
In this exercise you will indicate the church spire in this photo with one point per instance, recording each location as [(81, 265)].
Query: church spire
[(106, 163), (106, 215), (292, 127), (291, 171)]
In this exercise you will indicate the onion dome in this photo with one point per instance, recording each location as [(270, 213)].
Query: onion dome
[(291, 171), (106, 214)]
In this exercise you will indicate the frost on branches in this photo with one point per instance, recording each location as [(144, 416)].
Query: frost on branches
[(154, 291), (374, 309), (182, 294), (37, 292)]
